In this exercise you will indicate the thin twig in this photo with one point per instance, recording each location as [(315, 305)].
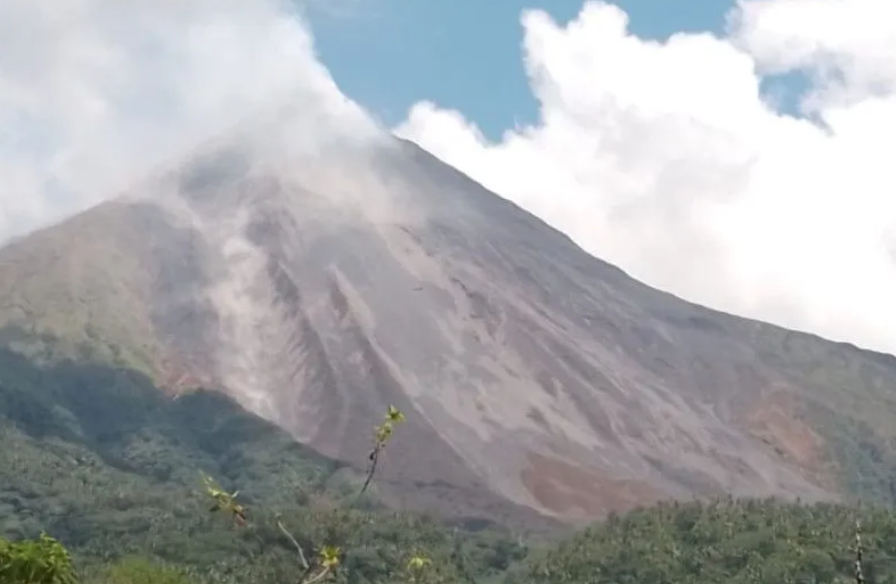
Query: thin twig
[(303, 579), (318, 577), (374, 458), (860, 577), (294, 542)]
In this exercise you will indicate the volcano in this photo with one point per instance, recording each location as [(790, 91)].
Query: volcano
[(318, 287)]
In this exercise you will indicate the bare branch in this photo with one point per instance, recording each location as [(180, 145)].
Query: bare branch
[(320, 576), (294, 542), (859, 574), (374, 458)]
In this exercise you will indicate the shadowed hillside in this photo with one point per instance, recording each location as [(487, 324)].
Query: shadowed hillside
[(99, 458)]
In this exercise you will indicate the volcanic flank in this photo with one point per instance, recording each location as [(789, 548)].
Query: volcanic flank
[(318, 287)]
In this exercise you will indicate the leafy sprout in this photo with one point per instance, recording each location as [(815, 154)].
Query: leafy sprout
[(328, 558), (224, 501), (416, 566), (41, 561)]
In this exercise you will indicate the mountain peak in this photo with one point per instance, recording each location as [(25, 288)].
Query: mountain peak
[(316, 286)]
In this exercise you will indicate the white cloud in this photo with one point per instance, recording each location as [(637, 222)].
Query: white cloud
[(665, 159), (95, 93), (660, 157)]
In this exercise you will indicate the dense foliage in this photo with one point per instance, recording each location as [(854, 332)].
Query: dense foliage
[(98, 458), (41, 561), (746, 541), (749, 541)]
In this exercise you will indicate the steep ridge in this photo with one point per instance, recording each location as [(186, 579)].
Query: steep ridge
[(537, 379)]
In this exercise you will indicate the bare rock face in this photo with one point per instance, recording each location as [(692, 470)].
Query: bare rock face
[(536, 379)]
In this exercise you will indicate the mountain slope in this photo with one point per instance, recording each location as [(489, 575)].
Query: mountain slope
[(99, 458), (91, 450), (537, 379)]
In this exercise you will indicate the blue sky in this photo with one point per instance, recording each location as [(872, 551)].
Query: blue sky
[(465, 54)]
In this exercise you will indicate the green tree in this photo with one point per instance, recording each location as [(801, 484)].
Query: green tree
[(40, 561), (318, 560)]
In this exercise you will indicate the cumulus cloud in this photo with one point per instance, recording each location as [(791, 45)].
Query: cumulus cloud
[(666, 158), (96, 93)]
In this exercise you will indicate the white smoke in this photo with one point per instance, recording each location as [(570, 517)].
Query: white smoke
[(95, 94)]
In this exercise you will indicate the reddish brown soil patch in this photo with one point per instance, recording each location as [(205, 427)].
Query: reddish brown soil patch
[(175, 379), (774, 419), (576, 492)]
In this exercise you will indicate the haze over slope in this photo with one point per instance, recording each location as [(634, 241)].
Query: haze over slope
[(317, 281)]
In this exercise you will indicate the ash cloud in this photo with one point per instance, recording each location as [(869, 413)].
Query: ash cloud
[(97, 95)]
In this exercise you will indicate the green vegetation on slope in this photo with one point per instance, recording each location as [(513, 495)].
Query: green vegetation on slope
[(100, 459), (751, 541), (748, 541), (849, 399), (87, 282)]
